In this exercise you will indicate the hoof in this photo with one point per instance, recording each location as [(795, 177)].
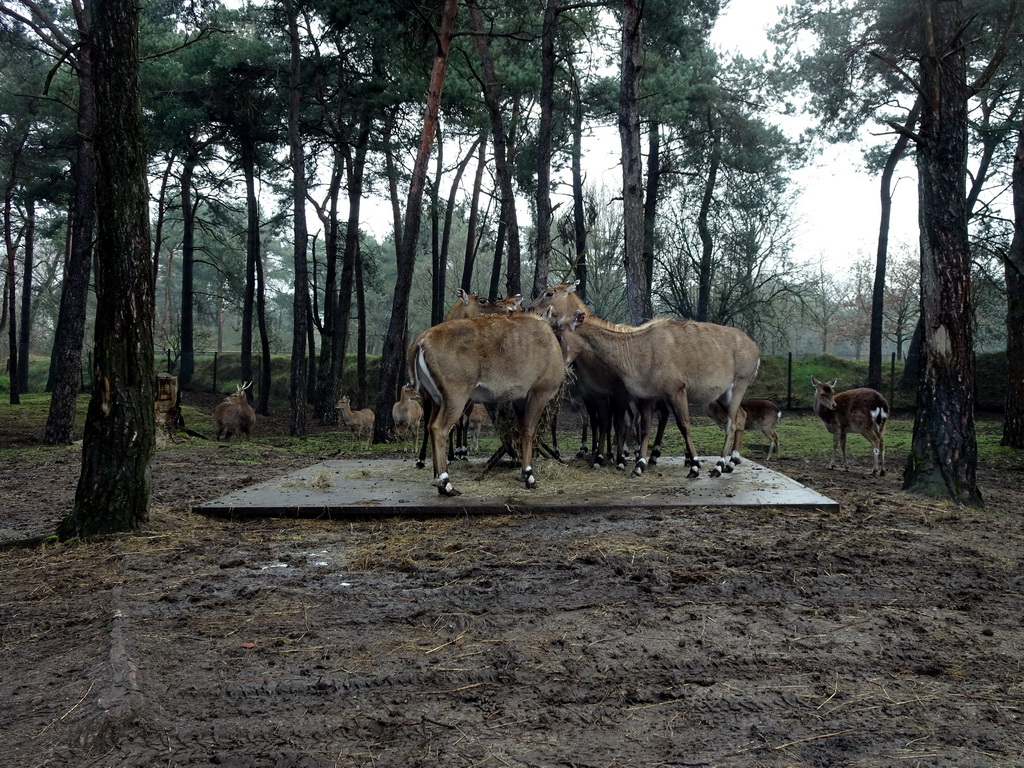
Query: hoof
[(420, 464), (726, 468), (693, 473), (529, 479), (451, 490)]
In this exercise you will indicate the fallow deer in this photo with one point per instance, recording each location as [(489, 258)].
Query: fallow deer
[(235, 417), (756, 414), (863, 411), (675, 360), (360, 422), (491, 359), (407, 414)]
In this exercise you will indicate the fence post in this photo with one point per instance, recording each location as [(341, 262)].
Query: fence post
[(789, 383)]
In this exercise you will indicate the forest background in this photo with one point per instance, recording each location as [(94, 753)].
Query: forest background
[(270, 125)]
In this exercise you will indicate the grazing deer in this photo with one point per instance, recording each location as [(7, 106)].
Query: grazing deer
[(863, 411), (675, 360), (407, 414), (603, 394), (467, 305), (235, 417), (756, 414), (360, 422), (491, 359)]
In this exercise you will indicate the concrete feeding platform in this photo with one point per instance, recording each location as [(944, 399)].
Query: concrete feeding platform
[(388, 487)]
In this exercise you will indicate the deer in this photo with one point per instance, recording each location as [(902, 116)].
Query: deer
[(478, 419), (513, 357), (601, 390), (235, 417), (863, 411), (756, 414), (360, 422), (467, 305), (679, 361), (407, 414)]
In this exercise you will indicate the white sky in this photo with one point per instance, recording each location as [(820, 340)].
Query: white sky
[(838, 202)]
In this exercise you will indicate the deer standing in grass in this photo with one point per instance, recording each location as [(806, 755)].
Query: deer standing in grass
[(756, 414), (491, 359), (360, 422), (863, 411), (678, 361), (407, 414), (235, 417)]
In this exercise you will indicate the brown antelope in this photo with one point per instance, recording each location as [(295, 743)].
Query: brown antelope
[(679, 361), (491, 359), (407, 414), (467, 305), (360, 422), (603, 394), (756, 414), (478, 419), (235, 417), (863, 411)]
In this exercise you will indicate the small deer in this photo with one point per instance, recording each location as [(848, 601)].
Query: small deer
[(360, 422), (863, 411), (758, 414), (235, 417), (407, 414), (478, 418)]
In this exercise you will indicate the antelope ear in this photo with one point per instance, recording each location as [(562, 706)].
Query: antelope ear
[(518, 300), (548, 313), (577, 319), (463, 296), (833, 383), (572, 286), (814, 381)]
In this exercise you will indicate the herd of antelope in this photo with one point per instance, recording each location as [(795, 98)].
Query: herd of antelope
[(490, 352)]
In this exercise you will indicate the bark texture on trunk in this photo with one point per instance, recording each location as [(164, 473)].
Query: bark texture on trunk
[(114, 487), (1013, 425), (944, 453), (632, 175)]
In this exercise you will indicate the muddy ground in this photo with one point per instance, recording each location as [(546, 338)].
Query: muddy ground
[(889, 633)]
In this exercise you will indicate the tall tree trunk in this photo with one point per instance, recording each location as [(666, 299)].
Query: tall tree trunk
[(11, 303), (579, 211), (1013, 424), (544, 149), (114, 488), (327, 372), (882, 251), (252, 253), (651, 212), (300, 303), (632, 176), (474, 215), (66, 359), (492, 97), (262, 405), (703, 226), (438, 270), (25, 334), (449, 213), (944, 452), (393, 353), (188, 260)]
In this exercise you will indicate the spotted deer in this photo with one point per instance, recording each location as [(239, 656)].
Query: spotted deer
[(863, 411)]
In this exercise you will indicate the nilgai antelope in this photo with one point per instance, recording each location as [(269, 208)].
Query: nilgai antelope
[(360, 422), (603, 394), (467, 305), (478, 419), (679, 361), (492, 359), (863, 411), (235, 417), (757, 414), (407, 414)]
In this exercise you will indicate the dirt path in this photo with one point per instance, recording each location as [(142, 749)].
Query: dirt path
[(886, 634)]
